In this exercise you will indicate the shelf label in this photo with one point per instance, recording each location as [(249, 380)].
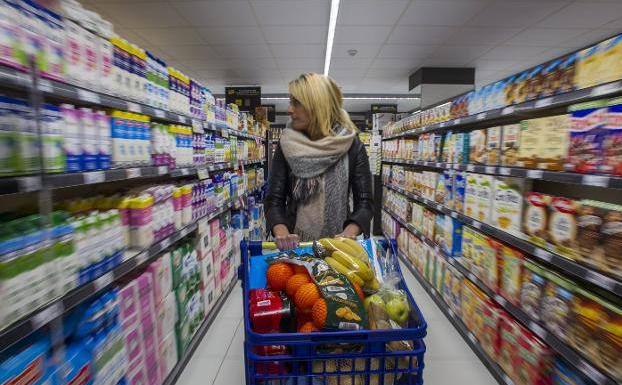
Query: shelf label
[(605, 89), (202, 226), (103, 281), (596, 180), (45, 86), (543, 102), (543, 254), (500, 300), (29, 183), (162, 170), (507, 110), (454, 214), (472, 337), (534, 174), (481, 116), (451, 313), (48, 314), (141, 258), (184, 171), (166, 242), (540, 332), (437, 249), (94, 177), (471, 277), (181, 119), (457, 121), (88, 96), (133, 172), (477, 225), (507, 379), (490, 170), (159, 114), (504, 171), (439, 207), (600, 279), (439, 165), (443, 124), (591, 372), (202, 173), (470, 168), (134, 107)]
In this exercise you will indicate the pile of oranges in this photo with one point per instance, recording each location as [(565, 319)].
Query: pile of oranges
[(298, 285)]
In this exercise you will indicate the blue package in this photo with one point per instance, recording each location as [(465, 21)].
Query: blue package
[(563, 374), (76, 367), (458, 191), (29, 363)]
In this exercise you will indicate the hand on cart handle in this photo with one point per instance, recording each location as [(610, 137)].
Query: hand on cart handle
[(352, 230), (284, 240)]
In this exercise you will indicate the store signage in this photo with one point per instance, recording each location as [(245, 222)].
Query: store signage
[(389, 108), (247, 98)]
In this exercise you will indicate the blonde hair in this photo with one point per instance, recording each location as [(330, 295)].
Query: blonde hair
[(322, 99)]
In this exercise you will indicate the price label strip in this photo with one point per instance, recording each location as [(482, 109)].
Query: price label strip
[(94, 177), (48, 314), (88, 96)]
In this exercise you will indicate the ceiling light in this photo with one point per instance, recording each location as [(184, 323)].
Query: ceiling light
[(332, 23)]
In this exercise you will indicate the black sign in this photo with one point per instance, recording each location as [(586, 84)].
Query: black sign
[(247, 98), (389, 108), (271, 112)]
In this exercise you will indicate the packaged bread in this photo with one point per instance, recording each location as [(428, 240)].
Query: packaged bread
[(510, 142), (477, 147), (563, 227), (493, 145)]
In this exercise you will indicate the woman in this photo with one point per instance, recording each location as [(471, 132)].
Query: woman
[(318, 163)]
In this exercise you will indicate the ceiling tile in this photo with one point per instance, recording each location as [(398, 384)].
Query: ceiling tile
[(308, 65), (395, 64), (171, 35), (509, 52), (584, 15), (133, 37), (457, 55), (614, 24), (290, 74), (233, 51), (516, 14), (216, 73), (351, 62), (359, 34), (492, 65), (191, 52), (290, 12), (230, 13), (389, 73), (363, 50), (344, 73), (446, 13), (371, 12), (298, 50), (256, 63), (143, 15), (406, 51), (224, 35), (408, 34), (482, 35), (590, 38), (295, 35), (546, 36), (208, 63)]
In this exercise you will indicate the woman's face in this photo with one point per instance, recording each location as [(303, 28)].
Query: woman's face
[(300, 118)]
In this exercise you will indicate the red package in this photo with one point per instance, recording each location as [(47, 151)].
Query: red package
[(534, 360), (489, 338), (508, 344), (270, 311), (271, 367)]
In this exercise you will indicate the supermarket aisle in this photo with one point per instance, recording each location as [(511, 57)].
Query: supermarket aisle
[(219, 360)]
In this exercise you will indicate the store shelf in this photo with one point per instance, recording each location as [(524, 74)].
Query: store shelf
[(519, 111), (555, 343), (225, 130), (51, 311), (560, 262), (605, 181), (468, 337), (22, 184), (173, 376)]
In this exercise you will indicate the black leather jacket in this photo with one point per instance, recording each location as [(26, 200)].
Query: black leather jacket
[(280, 208)]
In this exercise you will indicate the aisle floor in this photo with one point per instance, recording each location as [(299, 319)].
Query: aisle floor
[(219, 359)]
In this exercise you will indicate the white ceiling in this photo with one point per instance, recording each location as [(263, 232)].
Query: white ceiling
[(269, 42)]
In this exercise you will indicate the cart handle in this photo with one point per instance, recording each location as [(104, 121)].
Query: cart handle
[(272, 245)]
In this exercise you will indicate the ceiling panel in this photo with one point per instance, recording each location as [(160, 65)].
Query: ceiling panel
[(231, 13), (409, 34), (306, 64), (209, 62), (516, 14), (584, 15), (445, 13), (346, 73), (509, 52), (483, 35), (371, 12), (189, 52), (351, 62), (546, 36), (151, 14), (292, 12), (492, 65), (306, 34), (170, 35), (363, 50), (457, 55), (234, 51), (223, 35), (406, 51), (297, 50), (259, 63), (346, 34), (393, 64)]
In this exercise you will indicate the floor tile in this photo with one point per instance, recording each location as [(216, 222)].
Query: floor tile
[(236, 349), (231, 372)]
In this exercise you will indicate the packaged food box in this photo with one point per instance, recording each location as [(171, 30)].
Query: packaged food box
[(480, 246), (490, 330), (429, 221), (590, 217), (439, 229), (611, 344), (557, 304), (611, 239), (551, 77), (555, 142), (563, 227), (612, 52), (459, 191), (416, 217), (511, 274), (536, 218), (486, 248), (510, 142), (531, 134), (507, 207), (493, 145), (452, 239), (565, 374), (612, 139), (587, 317), (587, 122), (447, 154), (508, 344), (520, 87), (439, 196), (477, 147), (534, 360), (449, 189), (484, 198), (461, 148), (532, 289), (470, 195), (588, 67)]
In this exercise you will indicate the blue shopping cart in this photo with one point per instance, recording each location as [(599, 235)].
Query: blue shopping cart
[(341, 358)]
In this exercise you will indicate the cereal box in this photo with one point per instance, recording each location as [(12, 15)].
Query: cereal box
[(487, 252), (611, 59), (530, 143), (554, 149), (439, 196), (510, 141), (488, 338), (470, 195), (563, 226), (459, 191), (484, 198), (447, 155), (439, 229), (511, 274), (508, 204), (452, 238), (536, 219), (449, 189), (493, 145), (477, 147), (461, 148), (532, 289), (612, 139), (557, 304), (417, 216), (587, 123), (587, 72), (468, 239)]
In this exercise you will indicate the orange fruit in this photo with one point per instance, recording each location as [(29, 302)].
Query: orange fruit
[(308, 328), (358, 290), (306, 295), (295, 282), (300, 269), (319, 313), (278, 274)]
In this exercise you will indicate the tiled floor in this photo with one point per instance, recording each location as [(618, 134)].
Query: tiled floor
[(219, 359)]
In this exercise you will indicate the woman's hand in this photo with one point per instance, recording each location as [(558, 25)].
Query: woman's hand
[(284, 240), (352, 230)]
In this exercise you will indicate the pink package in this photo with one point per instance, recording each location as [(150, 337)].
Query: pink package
[(152, 357), (168, 355), (207, 269), (162, 276), (137, 376), (166, 316), (145, 284), (153, 374), (133, 343), (215, 231), (128, 300)]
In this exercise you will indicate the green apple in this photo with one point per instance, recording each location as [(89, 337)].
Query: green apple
[(397, 309), (375, 298)]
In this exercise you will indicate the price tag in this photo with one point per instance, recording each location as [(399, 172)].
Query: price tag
[(159, 114), (470, 167), (103, 281), (133, 172), (605, 89), (504, 171), (439, 207), (202, 173), (134, 107), (490, 170), (141, 258), (184, 171), (443, 124), (181, 119), (596, 180), (500, 300), (544, 102), (48, 314), (457, 121), (166, 242), (472, 337), (439, 165), (88, 96), (481, 116), (454, 214), (426, 163), (600, 280), (507, 379), (29, 183), (437, 249), (45, 86), (162, 170), (543, 254), (540, 332), (507, 110), (202, 226), (591, 372), (451, 313), (534, 174), (94, 177), (477, 225)]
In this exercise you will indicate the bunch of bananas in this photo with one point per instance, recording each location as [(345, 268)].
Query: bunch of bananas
[(350, 259)]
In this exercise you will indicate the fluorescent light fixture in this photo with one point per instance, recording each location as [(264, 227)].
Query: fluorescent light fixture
[(332, 23)]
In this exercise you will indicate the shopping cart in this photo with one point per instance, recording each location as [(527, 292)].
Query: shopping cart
[(354, 357)]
